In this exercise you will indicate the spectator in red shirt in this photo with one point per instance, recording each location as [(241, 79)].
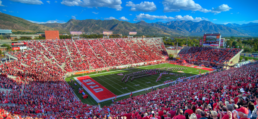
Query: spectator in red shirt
[(179, 114), (189, 110), (172, 112)]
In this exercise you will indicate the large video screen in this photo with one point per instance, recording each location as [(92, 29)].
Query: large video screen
[(211, 39)]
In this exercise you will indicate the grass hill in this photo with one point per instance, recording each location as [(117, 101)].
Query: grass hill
[(118, 27), (19, 24), (174, 28)]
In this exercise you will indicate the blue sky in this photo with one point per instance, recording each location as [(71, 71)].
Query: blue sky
[(216, 11)]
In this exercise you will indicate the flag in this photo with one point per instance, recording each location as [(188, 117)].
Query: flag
[(131, 94)]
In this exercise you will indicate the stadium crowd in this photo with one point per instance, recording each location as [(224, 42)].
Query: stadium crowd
[(49, 60), (208, 54), (230, 94), (40, 90)]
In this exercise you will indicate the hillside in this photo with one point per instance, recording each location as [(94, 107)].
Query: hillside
[(174, 28), (198, 28), (250, 28), (19, 24), (118, 27)]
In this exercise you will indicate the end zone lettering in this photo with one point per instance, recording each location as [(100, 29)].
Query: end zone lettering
[(93, 85), (96, 88)]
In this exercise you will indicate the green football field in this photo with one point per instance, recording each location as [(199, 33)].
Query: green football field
[(112, 81)]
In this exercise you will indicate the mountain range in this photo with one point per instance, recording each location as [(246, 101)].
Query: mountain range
[(172, 28)]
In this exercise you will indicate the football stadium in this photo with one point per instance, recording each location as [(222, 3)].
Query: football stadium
[(124, 78)]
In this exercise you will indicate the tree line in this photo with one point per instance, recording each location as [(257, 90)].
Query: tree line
[(248, 44)]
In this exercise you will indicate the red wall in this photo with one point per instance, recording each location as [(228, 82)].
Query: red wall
[(51, 35)]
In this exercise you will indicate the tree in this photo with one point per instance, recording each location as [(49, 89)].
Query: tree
[(246, 49), (7, 46), (171, 56), (1, 37), (241, 58), (246, 58), (234, 44)]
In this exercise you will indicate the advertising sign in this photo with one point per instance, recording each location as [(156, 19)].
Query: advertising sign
[(132, 33), (107, 32)]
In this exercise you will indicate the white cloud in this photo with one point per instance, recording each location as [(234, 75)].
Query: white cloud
[(123, 18), (50, 21), (48, 2), (204, 10), (221, 8), (1, 3), (231, 13), (4, 9), (110, 18), (143, 16), (130, 14), (214, 19), (73, 17), (95, 12), (177, 5), (34, 2), (255, 21), (226, 23), (55, 1), (145, 6), (116, 4)]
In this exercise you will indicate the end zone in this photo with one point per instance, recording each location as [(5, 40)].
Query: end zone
[(96, 90)]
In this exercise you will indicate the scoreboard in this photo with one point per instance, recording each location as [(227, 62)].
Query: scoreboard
[(212, 40)]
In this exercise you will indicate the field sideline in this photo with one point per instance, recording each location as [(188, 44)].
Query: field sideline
[(112, 81)]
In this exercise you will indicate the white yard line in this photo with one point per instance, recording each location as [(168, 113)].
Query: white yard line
[(112, 86), (138, 82), (120, 85), (104, 72)]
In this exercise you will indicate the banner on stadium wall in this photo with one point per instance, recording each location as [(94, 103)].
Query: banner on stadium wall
[(16, 48), (107, 32), (83, 72), (132, 33), (19, 48), (75, 32), (23, 48), (17, 44)]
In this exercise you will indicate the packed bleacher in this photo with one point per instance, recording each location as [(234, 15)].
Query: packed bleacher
[(230, 94), (49, 60), (39, 89), (208, 54)]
